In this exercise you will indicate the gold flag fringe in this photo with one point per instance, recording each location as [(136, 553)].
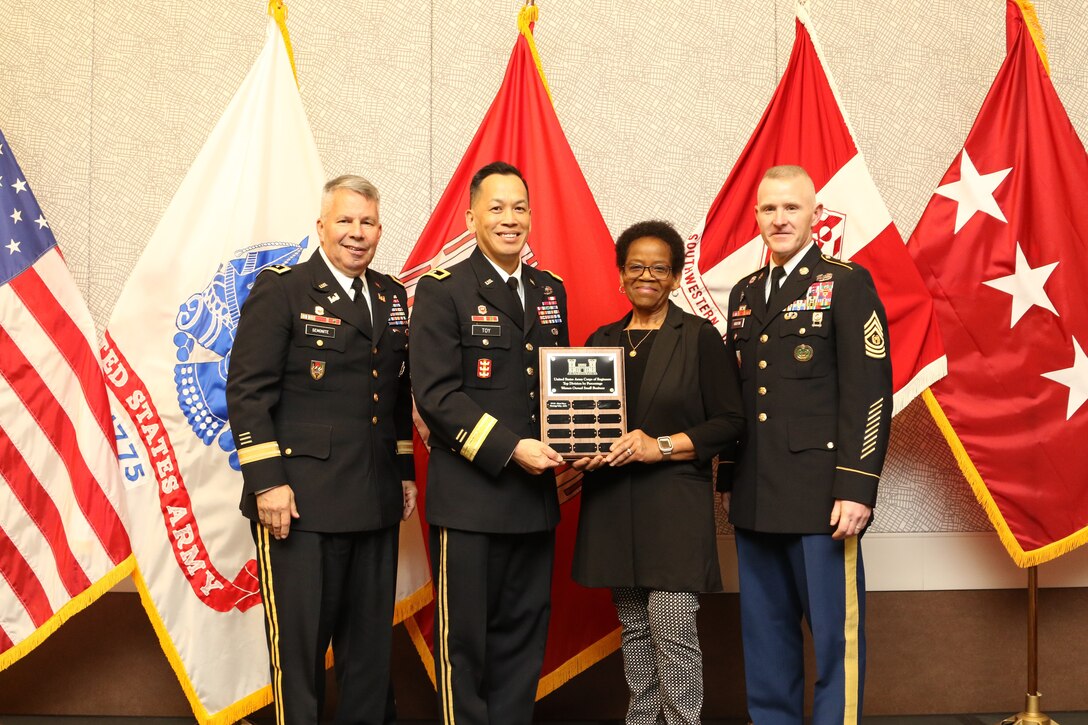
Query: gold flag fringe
[(74, 606), (278, 11), (580, 662), (422, 649), (526, 16), (230, 714), (413, 603), (1022, 558), (1031, 20)]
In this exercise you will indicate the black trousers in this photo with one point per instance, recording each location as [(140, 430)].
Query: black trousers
[(493, 601), (329, 588)]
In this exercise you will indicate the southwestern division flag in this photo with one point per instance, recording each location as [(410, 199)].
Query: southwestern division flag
[(804, 124), (1004, 247), (61, 540), (521, 128), (248, 201)]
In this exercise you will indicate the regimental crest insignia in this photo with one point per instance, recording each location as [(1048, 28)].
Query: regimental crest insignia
[(317, 369), (874, 338), (206, 326)]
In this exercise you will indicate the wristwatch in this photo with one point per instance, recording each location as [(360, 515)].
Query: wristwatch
[(664, 444)]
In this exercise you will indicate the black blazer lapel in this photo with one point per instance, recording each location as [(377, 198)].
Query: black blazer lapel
[(494, 290), (668, 337), (328, 293), (381, 301)]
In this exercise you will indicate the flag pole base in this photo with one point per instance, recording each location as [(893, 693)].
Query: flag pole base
[(1031, 714)]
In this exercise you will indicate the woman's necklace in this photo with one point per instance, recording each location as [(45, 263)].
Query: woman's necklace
[(634, 347)]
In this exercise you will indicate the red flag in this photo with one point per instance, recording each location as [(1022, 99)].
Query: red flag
[(62, 543), (1003, 246), (570, 238), (804, 124)]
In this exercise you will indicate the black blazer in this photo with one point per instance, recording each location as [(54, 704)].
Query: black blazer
[(317, 403), (816, 378), (652, 525), (474, 375)]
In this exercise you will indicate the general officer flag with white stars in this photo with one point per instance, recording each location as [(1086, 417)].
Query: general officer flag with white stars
[(61, 540), (1003, 246)]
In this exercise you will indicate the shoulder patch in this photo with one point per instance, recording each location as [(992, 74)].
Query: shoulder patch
[(277, 268), (832, 260), (395, 279), (438, 273), (553, 274)]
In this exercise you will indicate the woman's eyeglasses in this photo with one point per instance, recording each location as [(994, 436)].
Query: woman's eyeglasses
[(634, 270)]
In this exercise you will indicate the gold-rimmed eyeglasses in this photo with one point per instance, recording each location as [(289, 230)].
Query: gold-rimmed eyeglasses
[(634, 270)]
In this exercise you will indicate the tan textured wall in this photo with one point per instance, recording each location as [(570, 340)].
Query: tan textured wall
[(106, 104)]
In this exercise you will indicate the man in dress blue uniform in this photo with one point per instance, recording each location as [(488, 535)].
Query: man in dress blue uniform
[(491, 501), (808, 332), (320, 407)]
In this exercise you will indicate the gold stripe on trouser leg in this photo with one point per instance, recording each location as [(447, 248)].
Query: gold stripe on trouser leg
[(851, 631), (269, 595), (444, 632)]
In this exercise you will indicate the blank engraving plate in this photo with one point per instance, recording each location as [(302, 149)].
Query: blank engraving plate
[(582, 403)]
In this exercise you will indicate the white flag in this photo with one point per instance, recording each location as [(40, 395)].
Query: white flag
[(248, 201)]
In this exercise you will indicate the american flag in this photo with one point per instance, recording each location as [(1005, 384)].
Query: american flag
[(61, 539)]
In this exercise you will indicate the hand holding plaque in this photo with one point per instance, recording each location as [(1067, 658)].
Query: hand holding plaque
[(582, 404)]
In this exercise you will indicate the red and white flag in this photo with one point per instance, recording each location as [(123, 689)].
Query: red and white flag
[(61, 540), (521, 128), (804, 124), (1003, 246), (248, 201)]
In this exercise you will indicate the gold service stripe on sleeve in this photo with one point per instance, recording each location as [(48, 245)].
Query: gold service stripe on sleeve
[(259, 452), (477, 437), (404, 448)]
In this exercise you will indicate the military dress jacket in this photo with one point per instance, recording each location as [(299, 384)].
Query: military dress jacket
[(816, 380), (474, 375), (652, 525), (317, 401)]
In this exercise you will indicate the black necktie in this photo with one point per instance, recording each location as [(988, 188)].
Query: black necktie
[(361, 303), (512, 283), (776, 282)]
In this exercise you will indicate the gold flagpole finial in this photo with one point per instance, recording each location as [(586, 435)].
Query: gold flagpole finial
[(527, 16), (278, 10)]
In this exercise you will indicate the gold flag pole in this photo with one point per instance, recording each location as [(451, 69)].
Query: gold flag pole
[(1032, 715)]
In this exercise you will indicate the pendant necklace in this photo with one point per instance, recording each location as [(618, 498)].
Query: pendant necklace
[(634, 347)]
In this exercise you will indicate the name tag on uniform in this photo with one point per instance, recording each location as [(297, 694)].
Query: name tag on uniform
[(320, 330), (486, 330)]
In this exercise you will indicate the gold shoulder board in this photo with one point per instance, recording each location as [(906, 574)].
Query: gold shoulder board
[(278, 269), (557, 277), (439, 273)]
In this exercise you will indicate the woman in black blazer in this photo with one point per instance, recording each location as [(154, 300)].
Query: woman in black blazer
[(646, 527)]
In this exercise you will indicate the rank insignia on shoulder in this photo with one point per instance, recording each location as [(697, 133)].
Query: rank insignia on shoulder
[(553, 274), (317, 369), (395, 279), (874, 338), (278, 268), (438, 273)]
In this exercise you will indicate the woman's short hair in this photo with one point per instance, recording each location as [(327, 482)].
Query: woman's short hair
[(657, 229)]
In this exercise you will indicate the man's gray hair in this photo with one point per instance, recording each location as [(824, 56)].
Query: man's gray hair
[(351, 182)]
